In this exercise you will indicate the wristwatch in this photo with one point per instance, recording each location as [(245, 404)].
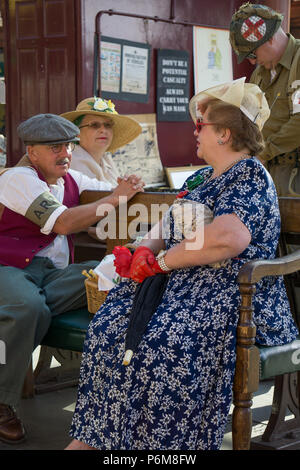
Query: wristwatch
[(160, 258)]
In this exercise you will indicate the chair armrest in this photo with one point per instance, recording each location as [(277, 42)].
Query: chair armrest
[(246, 379), (254, 271), (247, 376)]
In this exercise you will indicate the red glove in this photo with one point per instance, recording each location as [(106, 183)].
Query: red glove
[(143, 262), (157, 269), (123, 259)]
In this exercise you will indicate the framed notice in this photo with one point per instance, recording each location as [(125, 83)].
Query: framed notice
[(125, 70), (212, 57), (110, 66), (177, 175), (173, 85)]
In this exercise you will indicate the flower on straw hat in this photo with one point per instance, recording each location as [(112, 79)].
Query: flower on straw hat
[(103, 105)]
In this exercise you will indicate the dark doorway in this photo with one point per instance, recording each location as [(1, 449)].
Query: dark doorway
[(41, 62)]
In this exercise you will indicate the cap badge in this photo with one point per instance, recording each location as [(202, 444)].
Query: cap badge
[(253, 29)]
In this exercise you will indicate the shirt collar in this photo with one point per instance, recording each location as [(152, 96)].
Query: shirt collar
[(287, 57), (60, 183)]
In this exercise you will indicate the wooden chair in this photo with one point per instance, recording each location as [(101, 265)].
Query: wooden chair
[(254, 363)]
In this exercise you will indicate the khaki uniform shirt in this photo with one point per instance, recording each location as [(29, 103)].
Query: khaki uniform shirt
[(282, 130)]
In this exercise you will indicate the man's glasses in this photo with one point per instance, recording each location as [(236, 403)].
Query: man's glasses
[(200, 124), (57, 148), (97, 125), (252, 55)]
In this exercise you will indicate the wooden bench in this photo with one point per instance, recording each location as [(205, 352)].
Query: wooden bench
[(254, 363)]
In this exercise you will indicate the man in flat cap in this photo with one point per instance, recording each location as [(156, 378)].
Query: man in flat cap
[(38, 213), (256, 35)]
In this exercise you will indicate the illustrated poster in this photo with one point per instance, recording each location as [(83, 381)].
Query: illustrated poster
[(141, 156), (212, 57)]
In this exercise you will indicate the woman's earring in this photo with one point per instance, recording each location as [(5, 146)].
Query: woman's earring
[(221, 142)]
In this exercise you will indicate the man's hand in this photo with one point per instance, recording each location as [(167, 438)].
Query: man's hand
[(128, 186), (76, 219)]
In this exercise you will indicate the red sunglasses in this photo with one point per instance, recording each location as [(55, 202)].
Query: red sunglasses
[(200, 123)]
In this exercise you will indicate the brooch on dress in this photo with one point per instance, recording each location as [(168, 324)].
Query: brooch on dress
[(191, 184)]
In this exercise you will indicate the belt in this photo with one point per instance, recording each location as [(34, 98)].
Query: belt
[(291, 158)]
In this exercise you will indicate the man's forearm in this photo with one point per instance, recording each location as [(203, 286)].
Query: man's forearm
[(79, 218)]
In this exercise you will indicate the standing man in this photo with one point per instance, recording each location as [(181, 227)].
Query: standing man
[(39, 212), (256, 34)]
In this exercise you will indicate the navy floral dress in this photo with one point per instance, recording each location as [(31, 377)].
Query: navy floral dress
[(176, 392)]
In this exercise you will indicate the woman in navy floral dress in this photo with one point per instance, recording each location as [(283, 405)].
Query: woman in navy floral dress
[(176, 392)]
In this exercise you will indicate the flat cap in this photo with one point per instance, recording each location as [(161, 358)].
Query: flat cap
[(47, 129), (251, 26)]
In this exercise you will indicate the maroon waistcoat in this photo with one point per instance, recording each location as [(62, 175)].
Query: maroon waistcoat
[(21, 239)]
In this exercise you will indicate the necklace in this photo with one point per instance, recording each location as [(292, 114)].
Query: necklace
[(230, 165), (199, 179)]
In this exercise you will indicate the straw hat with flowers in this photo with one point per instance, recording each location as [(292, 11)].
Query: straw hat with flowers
[(125, 129)]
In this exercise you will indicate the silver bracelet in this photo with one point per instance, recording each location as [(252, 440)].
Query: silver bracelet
[(161, 261)]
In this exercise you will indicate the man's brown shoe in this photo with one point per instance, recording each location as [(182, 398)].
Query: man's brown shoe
[(11, 427)]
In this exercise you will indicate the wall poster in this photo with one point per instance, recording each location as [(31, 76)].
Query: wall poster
[(125, 69), (141, 156), (212, 57), (173, 85)]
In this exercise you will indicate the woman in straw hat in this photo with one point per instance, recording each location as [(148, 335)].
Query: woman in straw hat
[(176, 391), (102, 130)]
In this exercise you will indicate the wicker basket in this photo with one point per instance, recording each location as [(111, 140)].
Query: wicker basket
[(95, 297)]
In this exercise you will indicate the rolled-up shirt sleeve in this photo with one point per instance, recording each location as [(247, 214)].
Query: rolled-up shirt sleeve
[(48, 227), (24, 193)]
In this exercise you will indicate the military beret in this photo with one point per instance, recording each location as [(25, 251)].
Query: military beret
[(251, 26), (47, 129)]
